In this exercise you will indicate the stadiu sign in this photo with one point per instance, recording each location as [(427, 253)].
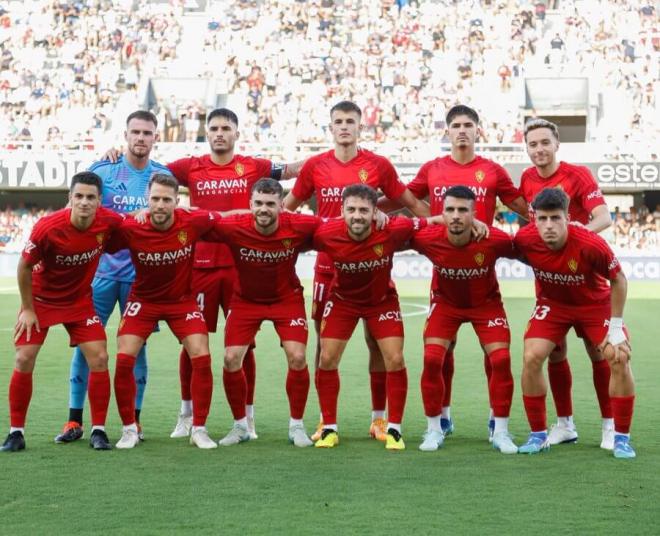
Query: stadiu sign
[(47, 172)]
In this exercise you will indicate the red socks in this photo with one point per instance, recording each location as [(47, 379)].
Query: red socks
[(397, 390), (448, 376), (250, 370), (378, 380), (297, 389), (98, 389), (500, 382), (432, 382), (20, 393), (125, 388), (535, 409), (201, 387), (601, 375), (185, 374), (236, 391), (622, 408), (328, 388), (561, 383)]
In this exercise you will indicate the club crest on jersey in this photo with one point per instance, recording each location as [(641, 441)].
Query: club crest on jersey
[(479, 258), (239, 169), (286, 242), (363, 174), (480, 176), (378, 250), (573, 265), (183, 237), (99, 238)]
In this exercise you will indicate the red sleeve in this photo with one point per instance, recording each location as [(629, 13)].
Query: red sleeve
[(304, 186), (602, 257), (220, 230), (502, 244), (390, 183), (264, 167), (403, 229), (202, 221), (33, 249), (506, 191), (419, 186), (421, 240), (589, 192), (117, 241), (523, 238), (181, 169), (319, 240)]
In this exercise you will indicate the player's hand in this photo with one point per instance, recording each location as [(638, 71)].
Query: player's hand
[(112, 154), (622, 351), (27, 321), (479, 230), (381, 219), (141, 216), (577, 224)]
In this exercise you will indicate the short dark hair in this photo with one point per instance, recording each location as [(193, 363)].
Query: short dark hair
[(346, 106), (362, 191), (144, 115), (164, 180), (461, 109), (533, 124), (551, 199), (87, 177), (268, 186), (460, 192), (223, 112)]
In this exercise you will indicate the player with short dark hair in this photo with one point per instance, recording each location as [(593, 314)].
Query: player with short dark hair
[(55, 272), (362, 257), (579, 284), (326, 175), (162, 252), (465, 289), (586, 207), (488, 180), (124, 191), (265, 246)]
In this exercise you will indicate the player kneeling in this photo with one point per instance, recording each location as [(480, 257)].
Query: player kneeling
[(265, 246), (572, 266), (54, 279), (162, 252)]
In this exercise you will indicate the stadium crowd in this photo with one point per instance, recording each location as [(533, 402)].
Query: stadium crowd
[(67, 69)]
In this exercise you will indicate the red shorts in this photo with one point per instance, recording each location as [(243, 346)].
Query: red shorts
[(213, 288), (245, 317), (382, 320), (320, 293), (552, 321), (184, 318), (488, 321), (80, 320)]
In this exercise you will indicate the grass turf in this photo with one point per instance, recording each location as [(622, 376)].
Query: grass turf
[(268, 486)]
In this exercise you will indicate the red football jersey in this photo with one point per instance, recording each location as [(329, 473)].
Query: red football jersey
[(484, 177), (163, 260), (464, 276), (362, 269), (266, 265), (220, 188), (64, 258), (326, 176), (577, 274), (576, 181)]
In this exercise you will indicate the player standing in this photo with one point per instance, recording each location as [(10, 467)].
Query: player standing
[(488, 180), (586, 207), (465, 289), (362, 288), (162, 252), (572, 267), (124, 190), (220, 181), (325, 176), (265, 246), (54, 276)]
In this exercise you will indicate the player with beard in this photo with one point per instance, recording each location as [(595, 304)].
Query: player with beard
[(586, 207), (124, 191)]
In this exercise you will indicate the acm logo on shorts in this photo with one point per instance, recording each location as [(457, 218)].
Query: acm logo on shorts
[(92, 321), (298, 323), (195, 315), (390, 315), (498, 322)]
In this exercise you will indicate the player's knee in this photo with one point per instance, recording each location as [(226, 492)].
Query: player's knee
[(25, 359), (394, 361), (297, 360), (232, 361), (533, 359), (98, 362), (328, 361)]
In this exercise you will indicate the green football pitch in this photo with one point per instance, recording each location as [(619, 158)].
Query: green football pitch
[(268, 486)]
